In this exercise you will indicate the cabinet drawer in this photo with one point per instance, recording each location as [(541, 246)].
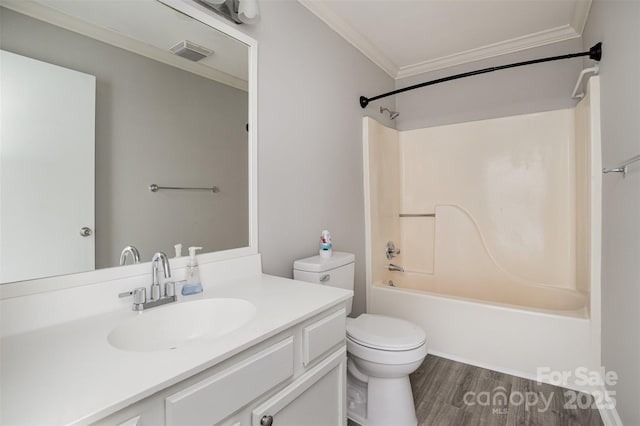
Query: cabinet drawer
[(322, 335), (216, 397)]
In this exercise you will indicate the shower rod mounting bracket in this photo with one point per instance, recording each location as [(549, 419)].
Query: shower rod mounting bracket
[(595, 54)]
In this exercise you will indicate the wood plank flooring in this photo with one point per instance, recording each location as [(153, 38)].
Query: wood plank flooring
[(449, 393)]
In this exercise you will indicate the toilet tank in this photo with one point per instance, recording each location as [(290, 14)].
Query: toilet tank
[(335, 271)]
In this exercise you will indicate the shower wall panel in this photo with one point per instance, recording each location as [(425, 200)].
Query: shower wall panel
[(515, 179), (382, 155)]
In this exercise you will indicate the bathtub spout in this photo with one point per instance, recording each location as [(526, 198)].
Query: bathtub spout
[(397, 268)]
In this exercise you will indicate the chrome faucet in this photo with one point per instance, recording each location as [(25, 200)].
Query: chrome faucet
[(129, 250), (156, 298), (396, 268), (155, 285)]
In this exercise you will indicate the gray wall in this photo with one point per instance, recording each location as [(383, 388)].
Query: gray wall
[(534, 88), (154, 124), (310, 138), (617, 25)]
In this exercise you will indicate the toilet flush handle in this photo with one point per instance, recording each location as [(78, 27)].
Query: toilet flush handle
[(325, 278)]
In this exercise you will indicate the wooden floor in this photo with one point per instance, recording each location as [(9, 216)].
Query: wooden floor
[(449, 393)]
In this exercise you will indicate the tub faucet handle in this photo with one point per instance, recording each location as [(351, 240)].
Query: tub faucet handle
[(391, 250)]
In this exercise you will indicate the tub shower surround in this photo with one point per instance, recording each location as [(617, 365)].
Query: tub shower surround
[(497, 222)]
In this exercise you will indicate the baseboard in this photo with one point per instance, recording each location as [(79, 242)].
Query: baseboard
[(610, 416), (486, 366)]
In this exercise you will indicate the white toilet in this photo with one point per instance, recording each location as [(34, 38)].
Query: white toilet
[(382, 350)]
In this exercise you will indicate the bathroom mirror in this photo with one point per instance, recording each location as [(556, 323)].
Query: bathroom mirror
[(101, 101)]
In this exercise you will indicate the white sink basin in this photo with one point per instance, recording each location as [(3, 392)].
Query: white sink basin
[(172, 326)]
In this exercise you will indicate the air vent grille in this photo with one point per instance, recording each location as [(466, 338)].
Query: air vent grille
[(191, 51)]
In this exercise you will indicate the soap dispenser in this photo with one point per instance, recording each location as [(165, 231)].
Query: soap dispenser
[(193, 284)]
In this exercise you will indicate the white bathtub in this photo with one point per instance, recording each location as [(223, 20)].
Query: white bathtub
[(501, 293), (499, 336)]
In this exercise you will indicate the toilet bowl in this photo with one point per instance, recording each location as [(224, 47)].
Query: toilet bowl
[(382, 351)]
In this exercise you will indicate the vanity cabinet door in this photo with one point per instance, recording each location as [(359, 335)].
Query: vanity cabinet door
[(318, 397)]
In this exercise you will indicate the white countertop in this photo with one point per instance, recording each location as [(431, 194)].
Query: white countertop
[(70, 374)]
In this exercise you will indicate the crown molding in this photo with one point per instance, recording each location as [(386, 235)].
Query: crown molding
[(554, 35), (51, 16), (343, 28), (580, 15)]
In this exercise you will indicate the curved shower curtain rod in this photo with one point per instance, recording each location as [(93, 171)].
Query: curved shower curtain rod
[(595, 53)]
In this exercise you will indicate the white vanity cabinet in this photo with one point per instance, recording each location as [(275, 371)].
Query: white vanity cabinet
[(316, 398), (297, 377)]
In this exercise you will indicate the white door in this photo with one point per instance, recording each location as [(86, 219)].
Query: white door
[(46, 169)]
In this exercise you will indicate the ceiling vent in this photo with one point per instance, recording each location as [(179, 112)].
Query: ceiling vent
[(190, 50)]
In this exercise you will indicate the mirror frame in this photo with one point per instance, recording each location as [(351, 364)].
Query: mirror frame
[(41, 285)]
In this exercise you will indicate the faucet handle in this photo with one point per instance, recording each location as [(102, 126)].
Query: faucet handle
[(139, 295), (169, 289)]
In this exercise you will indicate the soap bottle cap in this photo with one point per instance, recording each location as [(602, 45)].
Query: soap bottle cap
[(178, 248), (192, 255)]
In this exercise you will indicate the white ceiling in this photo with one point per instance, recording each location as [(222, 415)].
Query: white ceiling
[(409, 37), (149, 28)]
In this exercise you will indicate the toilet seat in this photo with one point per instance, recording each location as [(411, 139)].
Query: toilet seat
[(385, 333), (385, 340), (386, 357)]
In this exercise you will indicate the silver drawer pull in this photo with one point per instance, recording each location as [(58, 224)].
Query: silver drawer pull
[(325, 278)]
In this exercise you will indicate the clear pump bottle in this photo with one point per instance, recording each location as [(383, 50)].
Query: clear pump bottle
[(193, 284)]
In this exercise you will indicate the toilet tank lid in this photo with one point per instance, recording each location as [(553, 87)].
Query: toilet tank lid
[(321, 264)]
